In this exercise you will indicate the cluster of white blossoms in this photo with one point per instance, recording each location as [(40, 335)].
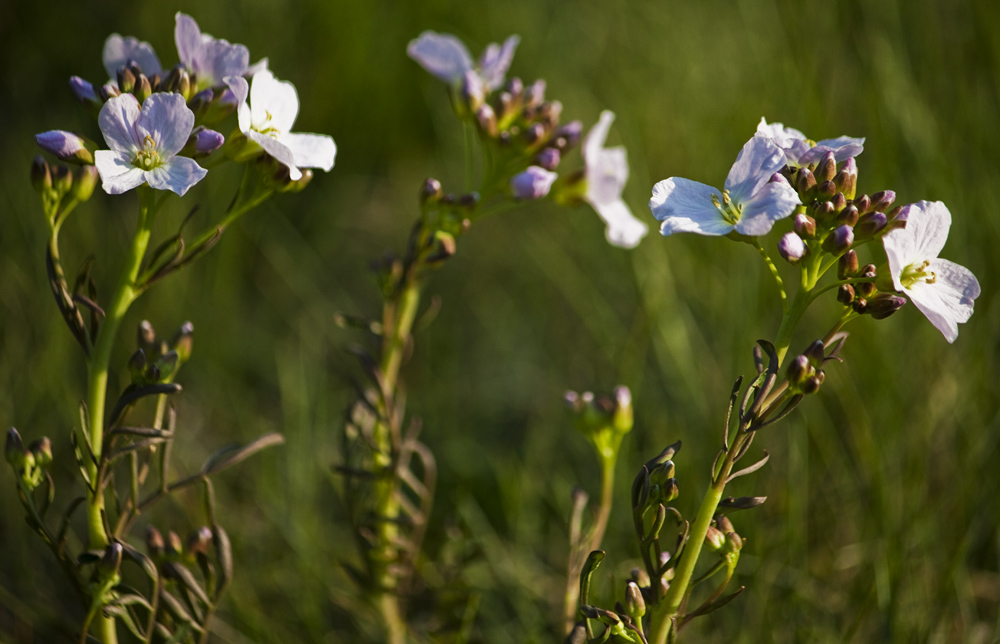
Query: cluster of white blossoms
[(780, 172), (151, 116)]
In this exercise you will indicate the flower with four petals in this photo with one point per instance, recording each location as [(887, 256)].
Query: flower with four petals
[(800, 151), (606, 175)]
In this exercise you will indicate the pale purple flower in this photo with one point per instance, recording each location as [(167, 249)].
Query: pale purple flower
[(942, 290), (800, 151), (210, 60), (83, 90), (606, 175), (791, 247), (445, 57), (267, 120), (749, 204), (144, 144), (66, 145), (204, 141), (119, 51), (533, 183)]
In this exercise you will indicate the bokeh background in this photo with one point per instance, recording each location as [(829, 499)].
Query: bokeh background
[(883, 491)]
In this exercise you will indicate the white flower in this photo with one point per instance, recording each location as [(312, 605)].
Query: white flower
[(144, 144), (268, 118), (444, 56), (210, 60), (942, 290), (799, 151), (606, 175), (750, 203), (119, 51)]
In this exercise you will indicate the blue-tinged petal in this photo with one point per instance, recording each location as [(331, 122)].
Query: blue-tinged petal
[(117, 122), (176, 175), (840, 152), (310, 150), (241, 91), (756, 162), (607, 173), (774, 201), (623, 228), (782, 136), (168, 120), (278, 151), (948, 301), (685, 206), (119, 51), (118, 175), (495, 62), (187, 37), (443, 55), (273, 103), (219, 59)]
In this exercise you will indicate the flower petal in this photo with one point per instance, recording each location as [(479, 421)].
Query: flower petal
[(756, 162), (241, 90), (594, 142), (278, 151), (782, 136), (273, 102), (685, 206), (187, 37), (623, 228), (118, 175), (843, 148), (117, 122), (119, 51), (947, 302), (443, 55), (774, 201), (168, 120), (219, 59), (495, 62), (176, 175), (310, 150)]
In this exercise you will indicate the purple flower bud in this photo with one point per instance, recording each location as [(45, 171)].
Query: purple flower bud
[(863, 203), (848, 266), (548, 158), (533, 183), (791, 247), (885, 304), (805, 180), (487, 119), (839, 240), (848, 215), (847, 178), (535, 94), (882, 200), (83, 90), (67, 146), (870, 225), (473, 91), (569, 135), (827, 167), (805, 225), (777, 177), (845, 294), (201, 100), (206, 141), (799, 369), (899, 219)]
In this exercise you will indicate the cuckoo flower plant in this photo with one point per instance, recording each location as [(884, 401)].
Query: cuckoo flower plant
[(943, 291), (749, 204), (144, 144), (267, 120)]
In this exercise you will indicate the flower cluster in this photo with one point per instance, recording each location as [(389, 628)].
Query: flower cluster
[(522, 135), (780, 173), (155, 120)]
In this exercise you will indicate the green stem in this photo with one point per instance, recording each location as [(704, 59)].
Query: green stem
[(774, 272), (97, 381)]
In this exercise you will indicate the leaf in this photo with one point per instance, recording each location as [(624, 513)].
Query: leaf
[(234, 454), (742, 502), (749, 470), (224, 552), (132, 394), (184, 575)]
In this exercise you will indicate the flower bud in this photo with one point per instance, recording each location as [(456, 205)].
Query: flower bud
[(805, 226), (837, 242), (126, 80), (622, 416), (41, 449), (804, 181), (635, 605), (154, 542), (860, 306), (472, 91), (548, 158), (882, 200), (108, 92), (14, 449), (430, 191), (199, 540), (83, 91), (826, 169), (174, 545), (816, 353), (885, 304), (84, 181), (845, 294), (847, 178), (202, 143), (847, 265), (792, 248), (811, 384), (514, 87), (798, 370), (848, 216), (487, 120), (178, 81), (897, 218), (870, 225), (62, 179), (143, 88), (714, 539), (863, 204), (41, 174), (826, 189), (839, 202), (68, 146), (569, 135), (533, 183), (533, 97), (549, 112), (112, 559), (200, 101), (183, 342), (868, 289), (777, 177), (640, 576)]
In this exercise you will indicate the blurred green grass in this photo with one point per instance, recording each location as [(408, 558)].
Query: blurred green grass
[(884, 498)]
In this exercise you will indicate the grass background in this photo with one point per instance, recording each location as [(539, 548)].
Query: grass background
[(884, 497)]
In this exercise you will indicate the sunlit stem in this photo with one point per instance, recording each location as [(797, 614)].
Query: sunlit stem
[(775, 273), (97, 380)]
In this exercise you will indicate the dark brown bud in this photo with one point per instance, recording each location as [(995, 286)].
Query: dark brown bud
[(847, 266), (845, 294)]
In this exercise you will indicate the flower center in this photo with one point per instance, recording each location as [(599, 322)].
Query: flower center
[(265, 127), (729, 209), (914, 273), (147, 158)]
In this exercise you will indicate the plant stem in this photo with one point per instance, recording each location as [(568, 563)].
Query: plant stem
[(97, 381)]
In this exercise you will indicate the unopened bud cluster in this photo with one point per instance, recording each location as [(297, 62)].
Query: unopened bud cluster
[(157, 360), (603, 420), (29, 463)]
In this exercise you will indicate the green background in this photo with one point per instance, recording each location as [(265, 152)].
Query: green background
[(883, 491)]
